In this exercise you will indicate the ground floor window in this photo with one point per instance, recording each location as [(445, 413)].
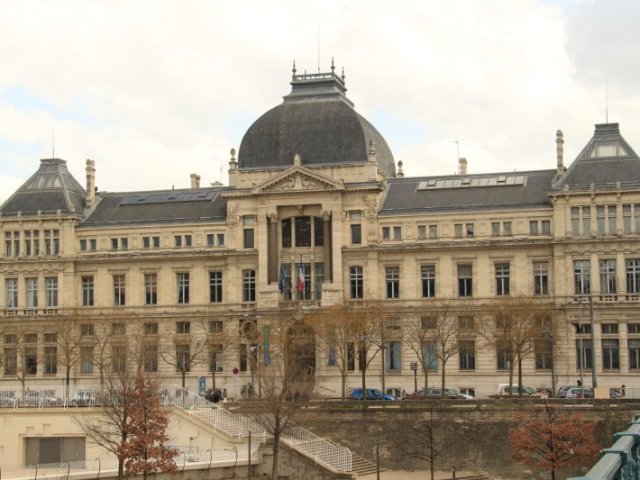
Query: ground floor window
[(54, 450)]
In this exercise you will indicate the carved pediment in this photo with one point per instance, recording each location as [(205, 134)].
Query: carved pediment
[(298, 178)]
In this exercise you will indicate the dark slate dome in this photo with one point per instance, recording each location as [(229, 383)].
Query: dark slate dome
[(317, 121)]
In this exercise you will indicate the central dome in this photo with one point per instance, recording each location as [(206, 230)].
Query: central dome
[(317, 121)]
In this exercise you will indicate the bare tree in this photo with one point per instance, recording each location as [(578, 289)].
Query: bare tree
[(334, 328), (286, 381), (366, 325), (513, 328), (445, 335), (185, 349), (68, 343), (419, 338), (426, 440), (216, 339)]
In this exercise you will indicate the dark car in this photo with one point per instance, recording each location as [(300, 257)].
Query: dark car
[(372, 394)]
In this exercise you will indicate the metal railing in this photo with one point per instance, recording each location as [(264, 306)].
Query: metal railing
[(618, 462), (331, 456)]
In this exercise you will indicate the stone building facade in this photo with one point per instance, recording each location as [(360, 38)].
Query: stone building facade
[(318, 215)]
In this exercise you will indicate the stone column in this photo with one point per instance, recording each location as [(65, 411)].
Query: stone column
[(272, 242), (328, 264)]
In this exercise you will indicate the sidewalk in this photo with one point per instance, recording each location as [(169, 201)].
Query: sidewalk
[(417, 475)]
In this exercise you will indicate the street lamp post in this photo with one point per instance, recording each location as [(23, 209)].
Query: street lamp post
[(581, 363)]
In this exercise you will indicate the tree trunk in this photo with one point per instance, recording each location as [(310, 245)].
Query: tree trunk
[(364, 384), (343, 381), (276, 451), (520, 387), (443, 378), (425, 372)]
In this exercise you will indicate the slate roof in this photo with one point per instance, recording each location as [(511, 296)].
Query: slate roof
[(50, 189), (405, 196), (605, 160), (317, 121), (162, 206)]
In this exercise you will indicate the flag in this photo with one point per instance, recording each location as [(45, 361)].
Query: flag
[(266, 329), (281, 279), (301, 279)]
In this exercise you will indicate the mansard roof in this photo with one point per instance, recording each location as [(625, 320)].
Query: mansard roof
[(498, 191), (161, 206), (51, 189), (604, 161)]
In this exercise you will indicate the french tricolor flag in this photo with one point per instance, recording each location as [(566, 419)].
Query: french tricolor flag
[(301, 279)]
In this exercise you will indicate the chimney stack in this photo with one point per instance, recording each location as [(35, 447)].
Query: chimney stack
[(462, 166), (91, 183), (195, 180), (559, 151)]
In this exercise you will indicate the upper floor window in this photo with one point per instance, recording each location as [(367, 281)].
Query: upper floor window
[(151, 328), (31, 287), (609, 328), (631, 218), (183, 328), (608, 276), (119, 290), (86, 285), (12, 244), (150, 288), (182, 240), (465, 277), (500, 228), (582, 277), (248, 285), (11, 290), (463, 230), (215, 240), (392, 281), (632, 267), (52, 242), (539, 227), (392, 233), (118, 329), (151, 242), (32, 243), (249, 222), (541, 278), (502, 279), (356, 233), (428, 278), (607, 222), (356, 282), (121, 243), (51, 291), (422, 232), (216, 326), (88, 244), (433, 231), (215, 287), (182, 279), (581, 220)]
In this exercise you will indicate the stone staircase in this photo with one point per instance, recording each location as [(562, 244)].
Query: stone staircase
[(362, 466)]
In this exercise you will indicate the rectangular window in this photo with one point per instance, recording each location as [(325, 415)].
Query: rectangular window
[(150, 357), (356, 281), (585, 346), (467, 354), (216, 356), (634, 354), (533, 227), (87, 330), (393, 359), (457, 230), (610, 354), (182, 279), (466, 323), (243, 353), (465, 288), (469, 229), (543, 354), (503, 356), (216, 326), (30, 364), (581, 221), (187, 240), (119, 290), (10, 361), (51, 291), (151, 328), (506, 229), (50, 360), (83, 245), (286, 233), (248, 241), (495, 229), (428, 277), (582, 277), (151, 242), (58, 450), (397, 233), (609, 328), (430, 355), (86, 360), (183, 328), (612, 221), (386, 233), (177, 241), (546, 227), (150, 288), (422, 232), (302, 230), (11, 289), (433, 231), (600, 211), (541, 278), (633, 328), (626, 219), (392, 281), (632, 270), (248, 285), (318, 232), (319, 280), (118, 328), (31, 287), (356, 234), (220, 239), (215, 287), (87, 290), (608, 277), (502, 279), (118, 358)]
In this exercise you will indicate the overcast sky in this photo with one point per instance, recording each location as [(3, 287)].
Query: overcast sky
[(155, 90)]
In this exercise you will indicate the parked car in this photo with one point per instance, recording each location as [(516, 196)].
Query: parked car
[(504, 390), (576, 392), (83, 398), (41, 399), (372, 394), (436, 394), (397, 392), (562, 391)]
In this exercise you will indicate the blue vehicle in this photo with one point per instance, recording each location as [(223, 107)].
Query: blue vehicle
[(372, 394)]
